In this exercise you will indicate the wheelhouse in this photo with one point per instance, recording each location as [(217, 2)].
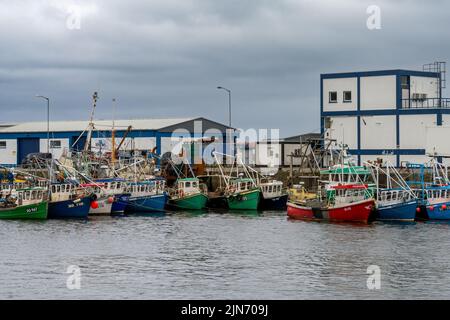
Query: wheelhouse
[(241, 185)]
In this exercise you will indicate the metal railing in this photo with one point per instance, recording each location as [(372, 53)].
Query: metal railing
[(427, 103)]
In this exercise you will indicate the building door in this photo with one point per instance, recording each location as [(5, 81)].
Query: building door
[(79, 146), (25, 147)]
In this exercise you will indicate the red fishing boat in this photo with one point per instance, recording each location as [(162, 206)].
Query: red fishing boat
[(350, 202)]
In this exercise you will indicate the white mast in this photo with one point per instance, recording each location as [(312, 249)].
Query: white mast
[(87, 145)]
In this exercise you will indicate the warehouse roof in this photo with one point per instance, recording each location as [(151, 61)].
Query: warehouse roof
[(64, 126), (303, 137)]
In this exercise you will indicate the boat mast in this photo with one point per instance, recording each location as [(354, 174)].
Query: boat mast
[(87, 145), (113, 134)]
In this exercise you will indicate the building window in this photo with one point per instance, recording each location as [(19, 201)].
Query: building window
[(55, 144), (2, 144), (347, 96), (332, 96), (404, 82)]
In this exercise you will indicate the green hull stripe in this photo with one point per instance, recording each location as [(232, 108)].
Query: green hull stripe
[(193, 202), (244, 201), (34, 211)]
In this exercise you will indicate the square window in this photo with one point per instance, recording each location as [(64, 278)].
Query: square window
[(332, 95), (347, 96), (55, 144), (2, 144)]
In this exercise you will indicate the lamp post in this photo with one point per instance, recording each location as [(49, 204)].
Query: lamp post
[(48, 121), (229, 103)]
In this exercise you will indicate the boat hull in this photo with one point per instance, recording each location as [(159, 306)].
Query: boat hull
[(244, 201), (435, 211), (353, 212), (104, 208), (153, 203), (69, 209), (398, 212), (37, 211), (120, 203), (277, 203), (296, 211), (191, 202)]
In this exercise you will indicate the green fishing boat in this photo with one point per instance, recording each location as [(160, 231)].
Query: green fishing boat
[(188, 195), (243, 194), (30, 203)]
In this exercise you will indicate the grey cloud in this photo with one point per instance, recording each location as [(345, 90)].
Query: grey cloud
[(166, 57)]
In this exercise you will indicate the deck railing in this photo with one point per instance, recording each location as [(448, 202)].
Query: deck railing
[(427, 103)]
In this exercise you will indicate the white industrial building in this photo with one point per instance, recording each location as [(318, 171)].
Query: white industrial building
[(396, 115), (19, 140)]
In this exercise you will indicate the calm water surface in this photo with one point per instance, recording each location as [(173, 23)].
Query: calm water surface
[(222, 256)]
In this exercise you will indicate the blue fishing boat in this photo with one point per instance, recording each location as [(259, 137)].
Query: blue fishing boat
[(404, 208), (435, 204), (396, 201), (147, 196), (434, 196), (68, 201)]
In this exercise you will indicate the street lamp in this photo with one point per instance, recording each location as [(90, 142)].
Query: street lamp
[(48, 121), (229, 103)]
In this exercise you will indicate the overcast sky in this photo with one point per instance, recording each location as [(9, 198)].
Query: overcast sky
[(165, 58)]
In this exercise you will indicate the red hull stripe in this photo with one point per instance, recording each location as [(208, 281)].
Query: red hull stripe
[(359, 211)]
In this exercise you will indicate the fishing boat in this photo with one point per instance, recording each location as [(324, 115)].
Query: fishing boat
[(68, 201), (396, 205), (435, 203), (147, 196), (396, 201), (188, 194), (433, 195), (242, 194), (29, 203), (349, 203), (274, 196), (241, 191)]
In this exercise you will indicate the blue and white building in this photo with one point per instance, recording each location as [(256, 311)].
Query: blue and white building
[(395, 115), (20, 139)]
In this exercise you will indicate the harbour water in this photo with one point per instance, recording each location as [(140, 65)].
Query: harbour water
[(222, 256)]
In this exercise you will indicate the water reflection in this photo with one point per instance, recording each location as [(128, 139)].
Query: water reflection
[(217, 255)]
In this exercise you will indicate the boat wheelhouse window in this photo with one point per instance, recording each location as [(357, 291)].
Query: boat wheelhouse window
[(347, 96), (332, 97), (188, 184), (194, 184), (2, 144), (55, 144)]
